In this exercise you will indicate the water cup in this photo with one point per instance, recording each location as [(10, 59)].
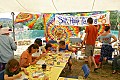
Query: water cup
[(44, 67), (58, 63)]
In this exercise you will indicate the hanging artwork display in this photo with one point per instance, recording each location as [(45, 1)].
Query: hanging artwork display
[(71, 20), (27, 19), (58, 32), (63, 26)]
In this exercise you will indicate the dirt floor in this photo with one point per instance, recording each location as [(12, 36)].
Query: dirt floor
[(102, 74)]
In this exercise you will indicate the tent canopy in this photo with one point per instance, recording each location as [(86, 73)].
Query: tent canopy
[(58, 6)]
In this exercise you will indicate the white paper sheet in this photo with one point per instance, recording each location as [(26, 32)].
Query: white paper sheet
[(40, 62)]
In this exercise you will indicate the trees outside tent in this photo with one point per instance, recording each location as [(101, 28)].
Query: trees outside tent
[(114, 19)]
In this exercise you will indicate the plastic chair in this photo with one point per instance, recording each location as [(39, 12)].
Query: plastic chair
[(2, 75), (86, 70)]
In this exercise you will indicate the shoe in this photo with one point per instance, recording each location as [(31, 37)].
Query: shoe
[(114, 72), (99, 67), (95, 69)]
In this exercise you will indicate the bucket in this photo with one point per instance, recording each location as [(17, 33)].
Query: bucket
[(97, 57)]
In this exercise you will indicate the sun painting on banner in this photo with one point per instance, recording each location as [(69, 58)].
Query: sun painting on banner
[(59, 33)]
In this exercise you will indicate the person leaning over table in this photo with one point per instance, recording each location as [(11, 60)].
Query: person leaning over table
[(48, 47), (13, 69), (7, 47), (65, 47), (26, 57), (42, 50)]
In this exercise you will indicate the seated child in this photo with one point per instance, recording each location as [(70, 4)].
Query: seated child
[(41, 50), (26, 57), (12, 70), (65, 47), (48, 47)]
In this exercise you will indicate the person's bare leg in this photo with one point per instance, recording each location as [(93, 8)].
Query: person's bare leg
[(100, 64), (70, 64), (89, 62), (93, 60), (105, 59)]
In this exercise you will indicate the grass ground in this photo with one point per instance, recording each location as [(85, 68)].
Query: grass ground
[(102, 74)]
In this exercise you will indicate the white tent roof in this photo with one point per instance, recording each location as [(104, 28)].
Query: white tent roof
[(58, 6)]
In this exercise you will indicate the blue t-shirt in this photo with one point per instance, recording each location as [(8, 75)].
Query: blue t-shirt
[(66, 48)]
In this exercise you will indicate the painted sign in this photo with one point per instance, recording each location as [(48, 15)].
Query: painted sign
[(81, 20)]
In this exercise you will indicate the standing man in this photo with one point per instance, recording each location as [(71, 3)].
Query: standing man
[(89, 41), (7, 47)]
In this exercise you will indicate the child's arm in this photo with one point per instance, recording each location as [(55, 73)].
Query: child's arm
[(23, 62), (114, 39), (37, 58), (33, 62), (43, 50), (13, 77), (25, 71), (71, 48), (42, 55)]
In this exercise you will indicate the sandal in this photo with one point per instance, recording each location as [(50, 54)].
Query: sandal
[(114, 72), (95, 69)]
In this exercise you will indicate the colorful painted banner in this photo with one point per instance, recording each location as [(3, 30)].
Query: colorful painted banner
[(66, 20), (54, 32), (27, 19)]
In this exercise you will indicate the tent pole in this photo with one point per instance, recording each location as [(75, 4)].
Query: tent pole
[(12, 13)]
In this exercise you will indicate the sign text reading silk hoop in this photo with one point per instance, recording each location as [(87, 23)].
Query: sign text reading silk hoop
[(81, 20)]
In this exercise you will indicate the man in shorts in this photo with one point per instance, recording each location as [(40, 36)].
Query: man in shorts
[(89, 41)]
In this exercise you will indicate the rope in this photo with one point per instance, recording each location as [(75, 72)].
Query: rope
[(54, 5), (21, 5), (93, 5)]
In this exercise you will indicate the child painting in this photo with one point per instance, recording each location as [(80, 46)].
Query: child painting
[(12, 70)]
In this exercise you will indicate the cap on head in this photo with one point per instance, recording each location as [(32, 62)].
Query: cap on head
[(5, 30)]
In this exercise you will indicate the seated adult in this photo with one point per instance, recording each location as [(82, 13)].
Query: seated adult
[(116, 64), (26, 57), (7, 47)]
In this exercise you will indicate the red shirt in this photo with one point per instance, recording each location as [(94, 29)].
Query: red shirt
[(92, 34)]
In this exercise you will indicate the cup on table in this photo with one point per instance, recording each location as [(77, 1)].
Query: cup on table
[(44, 67), (58, 63)]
